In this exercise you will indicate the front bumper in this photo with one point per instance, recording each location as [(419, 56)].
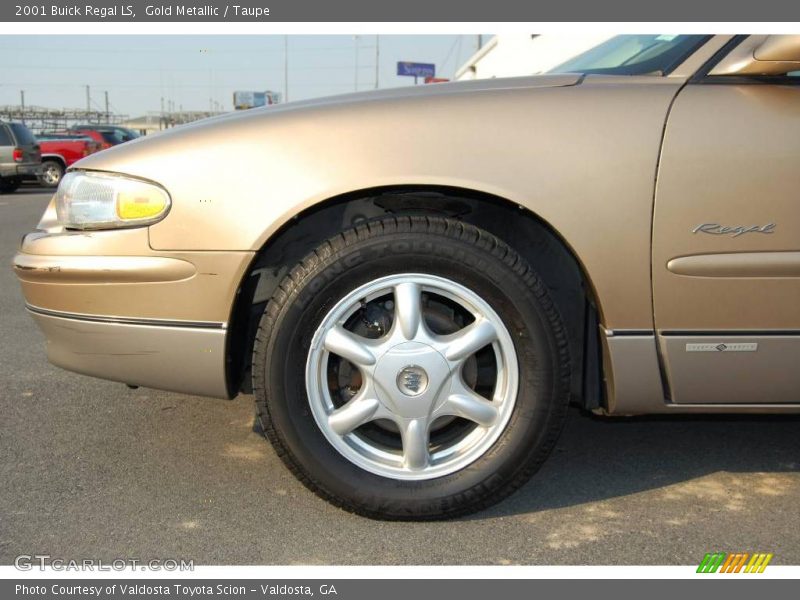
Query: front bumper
[(178, 358), (113, 308)]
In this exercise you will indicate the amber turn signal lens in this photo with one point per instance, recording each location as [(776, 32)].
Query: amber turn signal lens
[(141, 203)]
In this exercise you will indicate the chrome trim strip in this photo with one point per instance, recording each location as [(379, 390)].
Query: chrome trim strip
[(125, 320)]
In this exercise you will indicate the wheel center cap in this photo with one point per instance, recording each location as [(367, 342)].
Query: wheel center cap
[(412, 380), (409, 378)]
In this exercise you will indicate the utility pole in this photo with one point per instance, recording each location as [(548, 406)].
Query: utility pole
[(210, 90), (88, 100), (377, 58), (285, 68), (355, 83), (108, 117), (22, 105)]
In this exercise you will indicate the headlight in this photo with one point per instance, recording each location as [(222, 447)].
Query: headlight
[(87, 200)]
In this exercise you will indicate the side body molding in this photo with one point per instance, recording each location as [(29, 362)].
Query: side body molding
[(738, 264)]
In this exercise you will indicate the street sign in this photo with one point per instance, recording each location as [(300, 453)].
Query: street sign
[(412, 69), (436, 80)]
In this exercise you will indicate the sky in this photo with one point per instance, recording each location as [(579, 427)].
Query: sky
[(197, 72)]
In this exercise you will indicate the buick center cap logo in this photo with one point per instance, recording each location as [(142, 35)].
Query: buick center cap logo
[(412, 380)]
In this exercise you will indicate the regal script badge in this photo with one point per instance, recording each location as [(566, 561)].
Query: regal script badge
[(733, 230)]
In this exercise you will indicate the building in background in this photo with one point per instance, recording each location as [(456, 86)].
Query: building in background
[(146, 124), (153, 122), (514, 55)]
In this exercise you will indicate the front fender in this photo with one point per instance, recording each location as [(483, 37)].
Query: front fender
[(581, 157)]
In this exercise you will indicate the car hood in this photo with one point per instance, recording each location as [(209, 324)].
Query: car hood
[(111, 159), (432, 90)]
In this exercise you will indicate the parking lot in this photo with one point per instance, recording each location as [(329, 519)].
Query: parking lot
[(92, 469)]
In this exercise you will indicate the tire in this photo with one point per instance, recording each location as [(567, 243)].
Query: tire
[(384, 469), (52, 172), (9, 185)]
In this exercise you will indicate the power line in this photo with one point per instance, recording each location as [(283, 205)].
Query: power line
[(450, 52)]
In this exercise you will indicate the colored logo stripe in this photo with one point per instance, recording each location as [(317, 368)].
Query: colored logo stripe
[(711, 562), (734, 562), (758, 563)]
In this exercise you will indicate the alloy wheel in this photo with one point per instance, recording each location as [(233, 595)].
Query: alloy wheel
[(412, 376)]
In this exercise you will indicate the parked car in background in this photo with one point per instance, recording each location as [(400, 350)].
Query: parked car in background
[(106, 135), (19, 155), (415, 309), (60, 151)]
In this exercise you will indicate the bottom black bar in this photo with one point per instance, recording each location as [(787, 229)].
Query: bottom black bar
[(733, 586)]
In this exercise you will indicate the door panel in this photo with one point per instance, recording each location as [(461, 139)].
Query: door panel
[(726, 237)]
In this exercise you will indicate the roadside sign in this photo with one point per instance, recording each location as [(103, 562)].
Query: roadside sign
[(436, 80), (413, 69), (242, 100)]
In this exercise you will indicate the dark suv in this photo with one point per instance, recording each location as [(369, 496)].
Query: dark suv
[(19, 156)]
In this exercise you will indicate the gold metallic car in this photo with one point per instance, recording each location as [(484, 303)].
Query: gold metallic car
[(428, 277)]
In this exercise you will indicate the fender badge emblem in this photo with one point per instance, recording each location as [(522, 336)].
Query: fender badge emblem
[(733, 230)]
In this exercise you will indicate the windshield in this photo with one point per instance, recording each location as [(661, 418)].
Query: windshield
[(634, 55), (112, 137), (117, 135), (127, 134)]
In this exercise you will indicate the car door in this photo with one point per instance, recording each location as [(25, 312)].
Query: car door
[(726, 242)]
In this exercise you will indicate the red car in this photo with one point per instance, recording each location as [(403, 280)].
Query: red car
[(59, 151)]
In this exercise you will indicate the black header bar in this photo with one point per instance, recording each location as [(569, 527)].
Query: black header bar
[(440, 11)]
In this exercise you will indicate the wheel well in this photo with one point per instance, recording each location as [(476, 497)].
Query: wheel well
[(55, 158), (530, 236)]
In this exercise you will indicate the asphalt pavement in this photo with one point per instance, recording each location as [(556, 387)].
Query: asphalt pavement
[(91, 469)]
